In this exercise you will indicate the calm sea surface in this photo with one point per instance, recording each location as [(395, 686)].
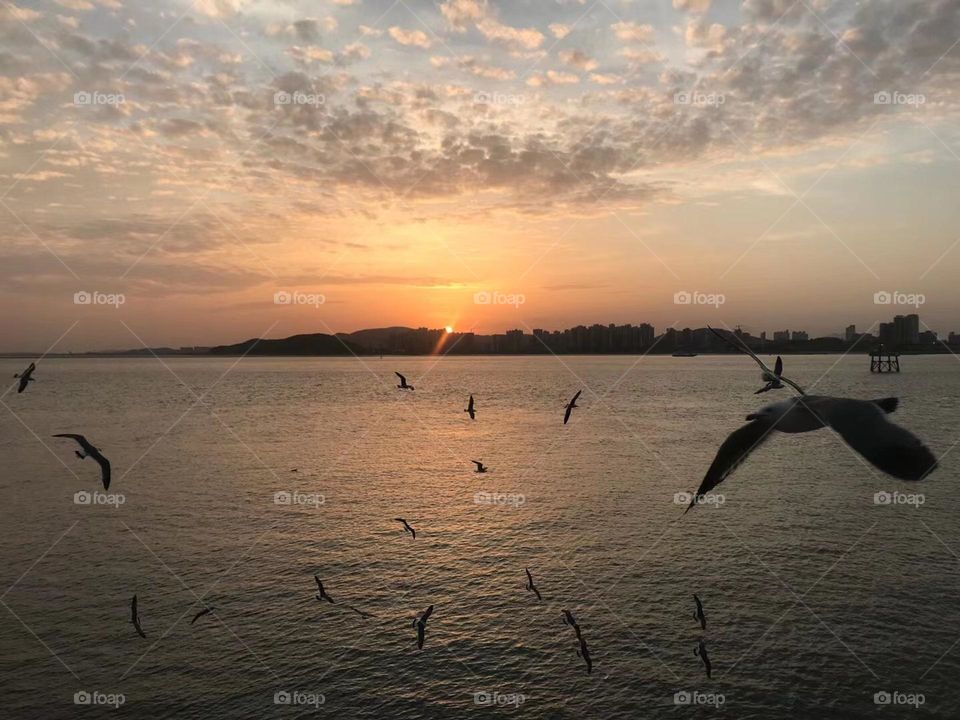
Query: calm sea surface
[(817, 597)]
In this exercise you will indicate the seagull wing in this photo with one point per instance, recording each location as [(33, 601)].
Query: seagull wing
[(403, 380), (575, 397), (133, 609), (140, 632), (426, 615), (566, 415), (778, 367), (73, 436), (421, 630), (199, 615), (529, 576), (104, 467), (889, 447), (732, 453), (470, 405)]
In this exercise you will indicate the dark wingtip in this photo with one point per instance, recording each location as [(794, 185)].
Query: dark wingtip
[(888, 404)]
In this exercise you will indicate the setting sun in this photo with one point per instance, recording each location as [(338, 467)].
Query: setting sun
[(449, 329)]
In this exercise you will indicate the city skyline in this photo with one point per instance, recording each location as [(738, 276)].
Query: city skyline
[(595, 159)]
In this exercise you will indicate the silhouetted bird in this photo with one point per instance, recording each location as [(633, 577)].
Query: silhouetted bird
[(471, 410), (205, 611), (766, 373), (585, 654), (135, 618), (773, 381), (322, 594), (570, 620), (25, 377), (91, 451), (701, 650), (698, 614), (361, 613), (403, 382), (861, 423), (406, 525), (530, 586), (570, 406), (420, 624), (481, 468)]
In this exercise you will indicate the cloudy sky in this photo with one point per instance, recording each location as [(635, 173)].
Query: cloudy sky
[(570, 161)]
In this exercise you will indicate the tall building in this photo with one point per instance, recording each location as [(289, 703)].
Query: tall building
[(781, 336), (888, 334), (799, 336), (851, 333)]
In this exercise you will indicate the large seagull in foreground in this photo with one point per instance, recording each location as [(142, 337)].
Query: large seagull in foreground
[(861, 423)]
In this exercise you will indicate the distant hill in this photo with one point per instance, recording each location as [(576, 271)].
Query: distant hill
[(376, 338), (315, 344)]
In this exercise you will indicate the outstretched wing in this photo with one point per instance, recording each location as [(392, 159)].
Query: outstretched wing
[(889, 447), (778, 367), (470, 405), (403, 380), (566, 415), (576, 397), (104, 468), (734, 450), (79, 438)]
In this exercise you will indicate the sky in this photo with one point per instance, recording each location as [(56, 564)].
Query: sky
[(177, 173)]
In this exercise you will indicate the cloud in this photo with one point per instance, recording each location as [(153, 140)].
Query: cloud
[(416, 38), (578, 59), (633, 32)]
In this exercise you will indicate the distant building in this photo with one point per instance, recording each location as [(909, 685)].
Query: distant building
[(928, 337), (799, 336), (953, 339), (888, 334), (781, 336), (850, 334)]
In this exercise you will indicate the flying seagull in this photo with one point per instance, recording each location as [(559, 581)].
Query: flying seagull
[(530, 586), (91, 451), (861, 423), (698, 615), (471, 411), (26, 377), (407, 527), (570, 406), (767, 374), (205, 611), (134, 618), (773, 381), (403, 382), (420, 623), (322, 595), (570, 620), (585, 654), (481, 468), (701, 651)]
